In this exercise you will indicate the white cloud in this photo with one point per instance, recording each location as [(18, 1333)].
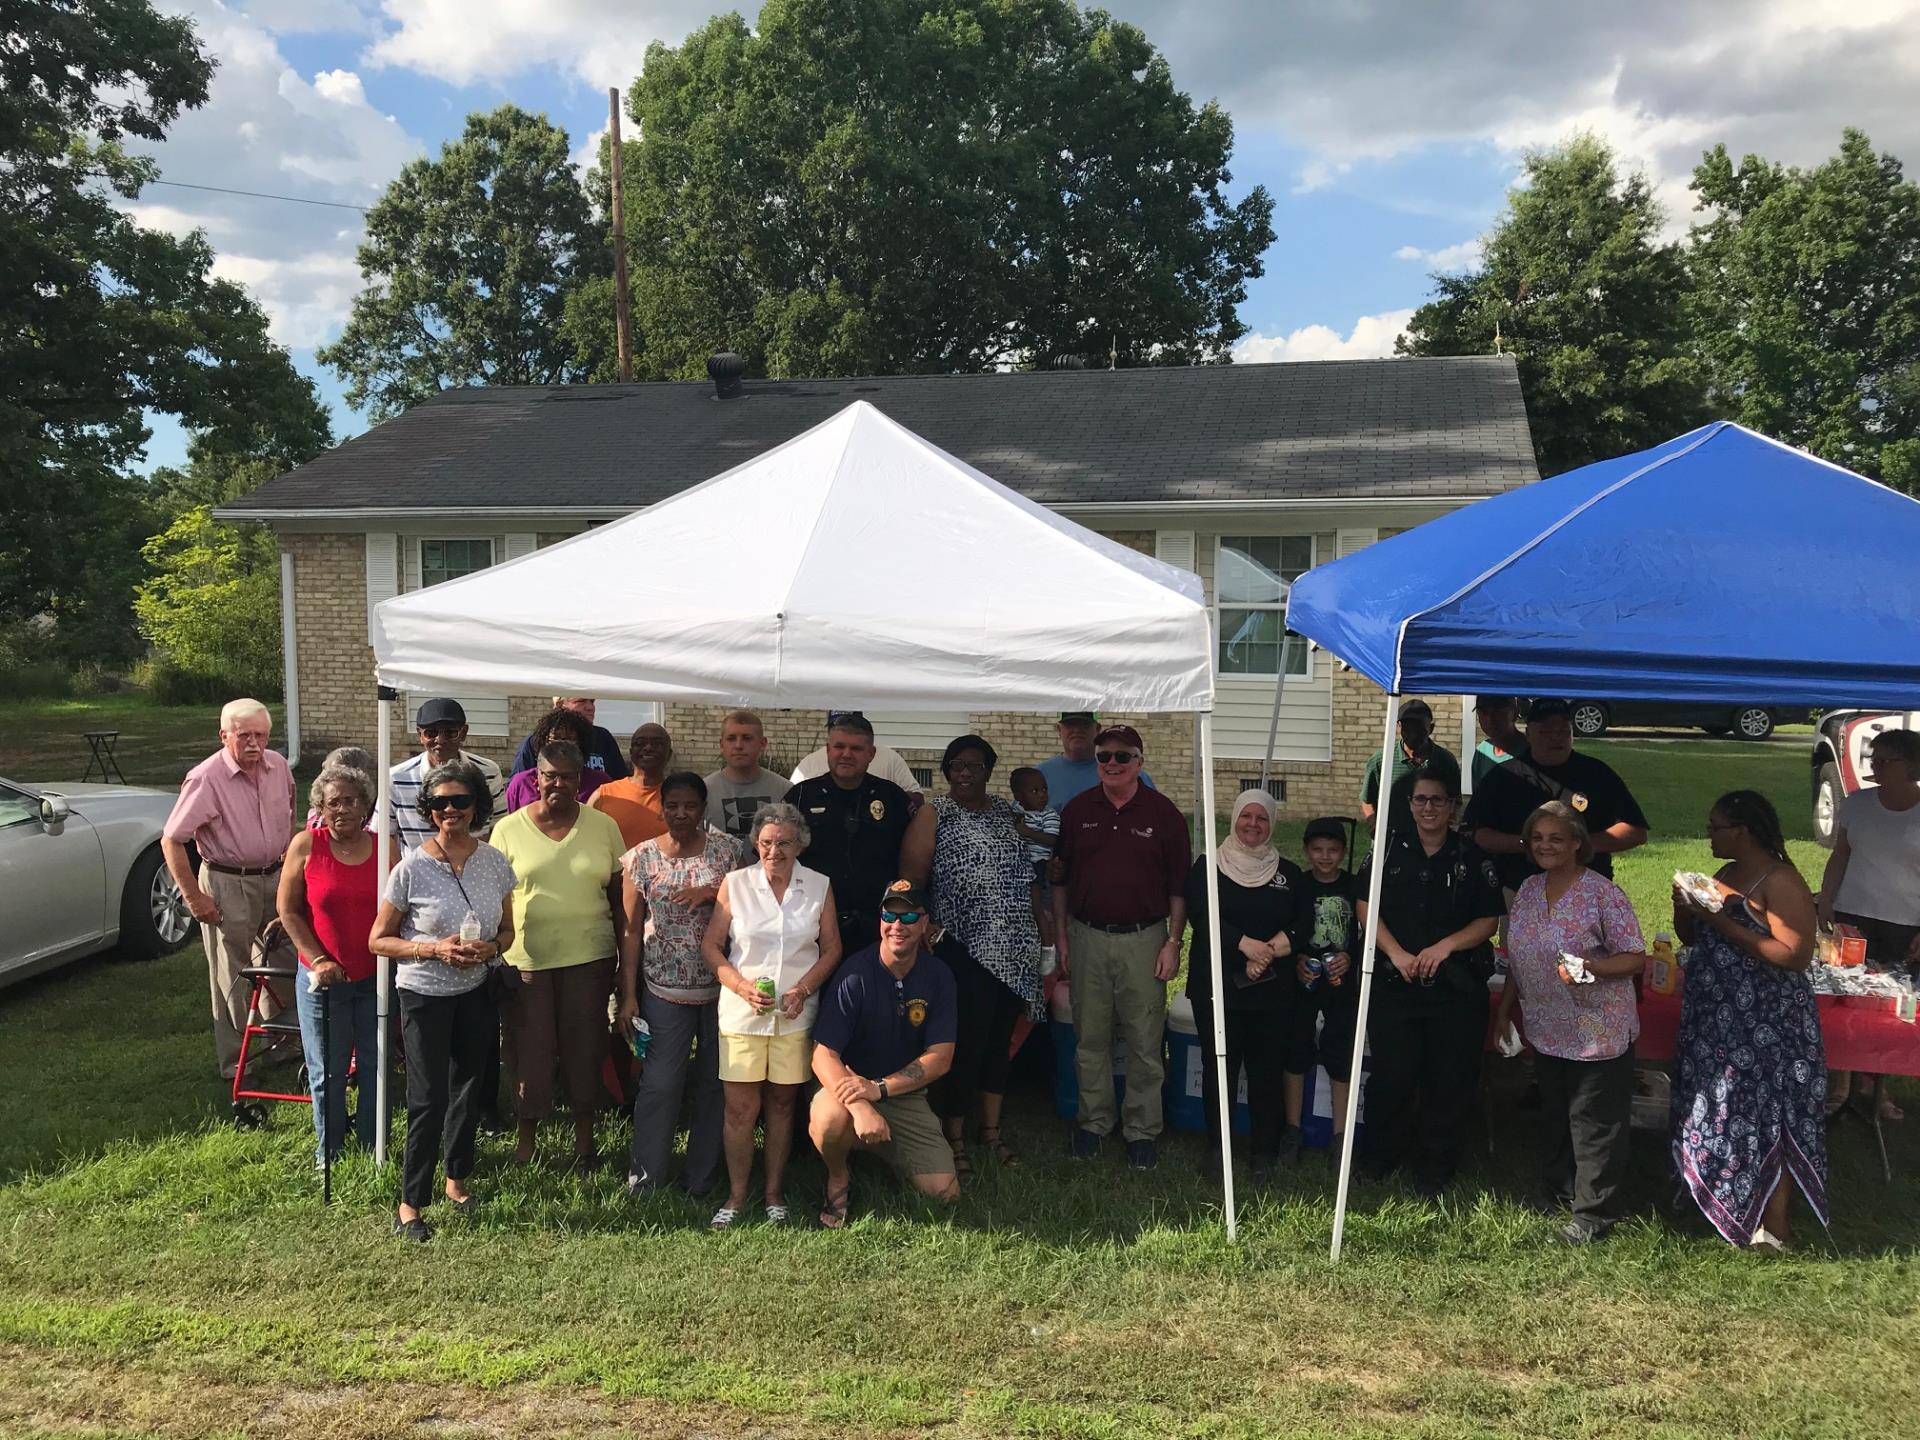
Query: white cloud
[(586, 154), (602, 42), (266, 128), (1319, 174), (1448, 258), (1372, 336)]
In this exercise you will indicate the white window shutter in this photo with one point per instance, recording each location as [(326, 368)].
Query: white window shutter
[(1175, 547), (518, 543), (1350, 541), (383, 571)]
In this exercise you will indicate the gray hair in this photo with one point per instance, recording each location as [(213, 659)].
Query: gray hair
[(1567, 816), (465, 774), (353, 757), (781, 813), (333, 773)]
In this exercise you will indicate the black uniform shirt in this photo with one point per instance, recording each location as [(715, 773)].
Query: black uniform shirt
[(856, 836), (1425, 898), (1513, 791)]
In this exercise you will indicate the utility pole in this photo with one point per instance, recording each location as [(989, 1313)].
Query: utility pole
[(622, 323)]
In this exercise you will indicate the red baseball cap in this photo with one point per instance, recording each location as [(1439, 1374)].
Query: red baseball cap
[(1124, 733)]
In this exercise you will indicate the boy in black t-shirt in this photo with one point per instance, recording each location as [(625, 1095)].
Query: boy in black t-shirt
[(1332, 906)]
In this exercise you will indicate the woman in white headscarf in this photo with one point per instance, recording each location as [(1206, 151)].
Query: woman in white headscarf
[(1259, 889)]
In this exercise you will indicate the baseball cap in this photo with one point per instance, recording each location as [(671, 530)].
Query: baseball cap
[(1079, 717), (1492, 702), (1325, 828), (834, 717), (1547, 707), (1411, 708), (903, 895), (439, 712), (1124, 733)]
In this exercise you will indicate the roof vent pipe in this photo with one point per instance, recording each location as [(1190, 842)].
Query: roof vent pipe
[(726, 370), (1067, 362)]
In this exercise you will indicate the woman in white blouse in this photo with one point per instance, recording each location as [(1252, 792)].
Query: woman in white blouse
[(773, 941)]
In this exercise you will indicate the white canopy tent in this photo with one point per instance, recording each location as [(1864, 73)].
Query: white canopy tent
[(856, 563)]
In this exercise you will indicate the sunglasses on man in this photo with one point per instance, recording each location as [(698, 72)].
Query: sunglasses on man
[(441, 732), (1115, 757), (902, 917), (450, 802)]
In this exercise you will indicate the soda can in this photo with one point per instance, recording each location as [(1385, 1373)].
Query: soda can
[(1316, 966), (765, 986), (641, 1038)]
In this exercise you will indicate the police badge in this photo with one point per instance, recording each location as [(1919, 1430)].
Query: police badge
[(916, 1013), (1578, 801), (877, 809)]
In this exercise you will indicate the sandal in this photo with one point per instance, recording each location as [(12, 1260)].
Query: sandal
[(833, 1210), (723, 1218), (1008, 1157), (962, 1161), (776, 1213)]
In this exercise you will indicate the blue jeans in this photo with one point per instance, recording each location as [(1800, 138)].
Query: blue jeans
[(353, 1026)]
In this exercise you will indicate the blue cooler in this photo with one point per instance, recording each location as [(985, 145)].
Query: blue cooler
[(1185, 1109), (1066, 1084), (1316, 1106)]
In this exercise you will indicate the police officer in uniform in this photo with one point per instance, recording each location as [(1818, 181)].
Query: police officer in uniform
[(1439, 905), (858, 821)]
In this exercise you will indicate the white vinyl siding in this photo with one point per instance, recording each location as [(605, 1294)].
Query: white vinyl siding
[(918, 729)]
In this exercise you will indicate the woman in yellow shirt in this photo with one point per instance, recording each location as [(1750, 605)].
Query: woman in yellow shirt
[(566, 918)]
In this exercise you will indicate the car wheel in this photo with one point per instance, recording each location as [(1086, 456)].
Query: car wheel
[(1826, 803), (1589, 719), (1753, 723), (154, 919)]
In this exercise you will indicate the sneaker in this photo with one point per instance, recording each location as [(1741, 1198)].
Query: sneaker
[(415, 1230), (1579, 1232), (1292, 1141), (1142, 1154), (1086, 1145)]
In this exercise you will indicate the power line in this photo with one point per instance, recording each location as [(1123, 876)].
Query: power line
[(261, 195)]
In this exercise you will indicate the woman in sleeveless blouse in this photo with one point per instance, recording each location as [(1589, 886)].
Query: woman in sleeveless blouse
[(1749, 1078)]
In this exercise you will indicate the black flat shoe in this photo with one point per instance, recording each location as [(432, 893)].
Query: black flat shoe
[(416, 1230), (464, 1206)]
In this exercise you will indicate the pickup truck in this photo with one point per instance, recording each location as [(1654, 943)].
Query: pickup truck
[(1839, 762)]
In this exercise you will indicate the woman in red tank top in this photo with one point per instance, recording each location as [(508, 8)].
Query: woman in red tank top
[(329, 894)]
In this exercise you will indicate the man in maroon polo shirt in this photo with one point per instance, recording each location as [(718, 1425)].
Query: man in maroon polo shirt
[(1118, 917)]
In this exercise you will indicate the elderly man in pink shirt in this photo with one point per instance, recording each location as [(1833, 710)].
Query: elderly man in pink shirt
[(236, 808)]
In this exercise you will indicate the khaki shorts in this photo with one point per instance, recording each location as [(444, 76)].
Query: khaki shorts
[(918, 1146), (782, 1059)]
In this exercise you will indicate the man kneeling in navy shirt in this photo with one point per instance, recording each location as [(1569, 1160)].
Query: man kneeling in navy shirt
[(889, 1014)]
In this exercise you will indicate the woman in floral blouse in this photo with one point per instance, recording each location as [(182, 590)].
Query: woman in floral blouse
[(1582, 1033), (669, 888)]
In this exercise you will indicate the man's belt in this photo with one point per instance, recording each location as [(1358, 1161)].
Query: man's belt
[(272, 869), (1132, 928)]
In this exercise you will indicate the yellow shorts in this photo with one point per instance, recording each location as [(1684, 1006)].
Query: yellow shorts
[(783, 1059)]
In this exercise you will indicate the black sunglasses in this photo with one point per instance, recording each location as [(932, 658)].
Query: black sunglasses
[(1114, 757), (441, 732), (904, 917), (450, 802)]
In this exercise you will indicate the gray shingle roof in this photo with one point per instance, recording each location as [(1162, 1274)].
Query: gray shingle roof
[(1389, 428)]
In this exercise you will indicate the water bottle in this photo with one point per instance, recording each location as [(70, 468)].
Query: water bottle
[(641, 1038), (1049, 960), (470, 929)]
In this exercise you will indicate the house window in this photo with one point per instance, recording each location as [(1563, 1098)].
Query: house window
[(1251, 573), (450, 559)]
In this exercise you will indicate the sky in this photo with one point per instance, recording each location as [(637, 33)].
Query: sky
[(1388, 131)]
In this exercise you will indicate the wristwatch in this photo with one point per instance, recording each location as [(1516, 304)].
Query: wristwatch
[(883, 1089)]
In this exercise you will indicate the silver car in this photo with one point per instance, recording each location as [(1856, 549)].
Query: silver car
[(80, 872)]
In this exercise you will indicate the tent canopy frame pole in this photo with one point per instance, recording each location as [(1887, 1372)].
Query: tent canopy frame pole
[(1223, 1096), (1368, 949), (383, 985)]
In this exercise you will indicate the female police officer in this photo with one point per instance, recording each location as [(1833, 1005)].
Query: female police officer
[(1439, 905)]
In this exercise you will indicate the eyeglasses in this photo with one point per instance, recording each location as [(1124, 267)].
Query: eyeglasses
[(440, 732), (901, 917), (450, 802), (969, 767), (1115, 757), (1429, 799)]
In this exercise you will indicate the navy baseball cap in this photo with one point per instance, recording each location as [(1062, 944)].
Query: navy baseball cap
[(439, 712), (903, 895)]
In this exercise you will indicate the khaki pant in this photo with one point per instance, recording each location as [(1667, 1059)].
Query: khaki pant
[(246, 904), (1115, 994)]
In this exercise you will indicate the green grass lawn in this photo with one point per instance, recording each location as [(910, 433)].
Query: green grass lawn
[(158, 744), (164, 1274)]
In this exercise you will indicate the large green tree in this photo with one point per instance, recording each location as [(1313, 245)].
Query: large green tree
[(888, 186), (1807, 303), (1576, 284), (469, 259), (102, 321)]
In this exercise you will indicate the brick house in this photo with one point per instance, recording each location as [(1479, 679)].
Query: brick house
[(1238, 472)]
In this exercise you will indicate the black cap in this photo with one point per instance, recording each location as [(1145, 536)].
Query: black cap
[(1547, 707), (439, 712), (1411, 708), (1493, 702), (1325, 828), (834, 717), (1079, 717), (903, 895)]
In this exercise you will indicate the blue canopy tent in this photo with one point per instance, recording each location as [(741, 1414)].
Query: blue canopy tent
[(1720, 566)]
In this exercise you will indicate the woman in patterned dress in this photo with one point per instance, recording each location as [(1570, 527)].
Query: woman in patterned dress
[(1749, 1067), (984, 895), (1582, 1034), (668, 890)]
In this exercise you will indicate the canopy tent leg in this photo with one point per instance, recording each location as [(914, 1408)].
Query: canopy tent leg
[(1211, 843), (383, 967), (1273, 723), (1375, 869)]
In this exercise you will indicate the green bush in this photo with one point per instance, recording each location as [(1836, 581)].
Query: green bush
[(212, 609), (169, 684)]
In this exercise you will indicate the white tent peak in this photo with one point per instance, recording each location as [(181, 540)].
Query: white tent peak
[(856, 563)]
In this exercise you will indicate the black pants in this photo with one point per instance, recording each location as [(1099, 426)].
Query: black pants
[(1586, 1109), (1331, 1045), (1256, 1040), (1426, 1042), (449, 1038), (987, 1013)]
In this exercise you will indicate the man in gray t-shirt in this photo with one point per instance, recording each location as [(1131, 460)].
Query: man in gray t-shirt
[(737, 790)]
